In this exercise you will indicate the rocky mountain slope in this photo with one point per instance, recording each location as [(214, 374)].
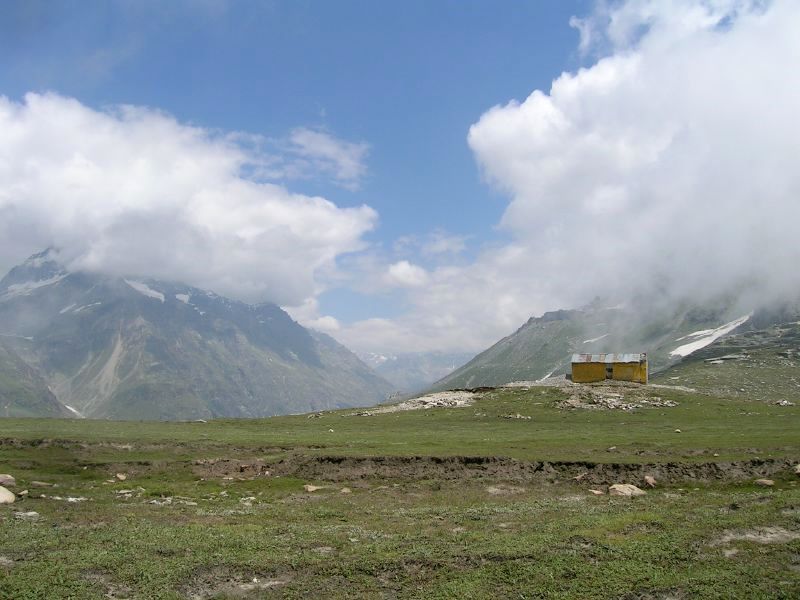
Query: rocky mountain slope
[(111, 347), (758, 364), (543, 346)]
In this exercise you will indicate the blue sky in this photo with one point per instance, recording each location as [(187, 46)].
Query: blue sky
[(365, 104), (408, 78)]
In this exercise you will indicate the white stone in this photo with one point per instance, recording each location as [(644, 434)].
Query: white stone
[(6, 497), (625, 489), (7, 480)]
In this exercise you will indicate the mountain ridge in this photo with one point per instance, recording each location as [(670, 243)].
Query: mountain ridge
[(134, 347)]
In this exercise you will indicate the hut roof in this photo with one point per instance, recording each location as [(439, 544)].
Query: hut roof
[(609, 358)]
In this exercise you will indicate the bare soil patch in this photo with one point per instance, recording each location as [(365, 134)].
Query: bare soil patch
[(761, 535), (216, 582), (348, 468), (111, 589)]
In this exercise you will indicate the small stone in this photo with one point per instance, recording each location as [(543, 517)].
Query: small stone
[(27, 516), (625, 489), (579, 477), (23, 493), (6, 497), (764, 482), (797, 469), (330, 430), (6, 562), (611, 449), (41, 484), (716, 453), (345, 490), (650, 481), (311, 488), (7, 480), (677, 431), (598, 492), (122, 476)]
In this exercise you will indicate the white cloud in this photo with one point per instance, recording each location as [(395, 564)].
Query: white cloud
[(405, 274), (132, 191), (666, 169), (319, 151)]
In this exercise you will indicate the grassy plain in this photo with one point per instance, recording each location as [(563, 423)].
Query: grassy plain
[(179, 532)]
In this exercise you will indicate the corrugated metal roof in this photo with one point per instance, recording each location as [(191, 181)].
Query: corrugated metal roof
[(609, 358)]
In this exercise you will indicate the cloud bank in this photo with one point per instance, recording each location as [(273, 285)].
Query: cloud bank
[(132, 191), (668, 168)]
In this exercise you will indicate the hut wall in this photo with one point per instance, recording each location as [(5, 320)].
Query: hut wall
[(630, 372), (588, 372)]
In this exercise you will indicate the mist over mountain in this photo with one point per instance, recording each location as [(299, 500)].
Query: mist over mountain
[(415, 371), (125, 348)]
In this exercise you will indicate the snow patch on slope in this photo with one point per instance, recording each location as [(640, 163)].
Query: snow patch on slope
[(145, 290), (183, 298), (707, 336), (77, 413), (597, 339), (25, 289)]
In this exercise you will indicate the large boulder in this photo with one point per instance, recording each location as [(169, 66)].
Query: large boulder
[(7, 480), (6, 497)]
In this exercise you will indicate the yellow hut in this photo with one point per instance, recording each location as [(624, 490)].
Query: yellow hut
[(587, 368)]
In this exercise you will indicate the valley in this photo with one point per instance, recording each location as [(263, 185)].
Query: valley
[(508, 493)]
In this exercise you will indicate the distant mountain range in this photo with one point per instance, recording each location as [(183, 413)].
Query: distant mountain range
[(543, 346), (99, 346), (412, 372)]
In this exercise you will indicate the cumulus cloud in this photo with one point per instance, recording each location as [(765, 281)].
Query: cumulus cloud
[(668, 168), (405, 274), (673, 154), (131, 190), (319, 151)]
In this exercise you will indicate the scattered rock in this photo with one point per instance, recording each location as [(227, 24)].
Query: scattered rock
[(516, 416), (764, 482), (6, 497), (121, 476), (625, 489), (161, 501), (784, 403), (730, 552), (6, 562), (7, 480), (70, 499), (598, 492), (345, 490), (579, 477), (27, 516), (761, 535), (330, 430), (324, 549), (797, 469), (312, 488), (449, 399), (611, 449), (23, 493), (41, 484), (677, 431), (650, 481)]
